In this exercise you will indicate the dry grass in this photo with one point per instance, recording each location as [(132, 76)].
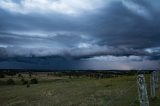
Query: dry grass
[(83, 91)]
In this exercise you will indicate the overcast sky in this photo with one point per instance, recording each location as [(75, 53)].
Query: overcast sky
[(80, 34)]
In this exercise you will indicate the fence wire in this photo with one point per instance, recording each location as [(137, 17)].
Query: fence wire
[(111, 102), (124, 93)]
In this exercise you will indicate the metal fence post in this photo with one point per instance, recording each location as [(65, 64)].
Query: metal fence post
[(143, 97)]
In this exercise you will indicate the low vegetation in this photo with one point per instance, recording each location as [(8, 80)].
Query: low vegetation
[(34, 81), (10, 82), (24, 82), (2, 76), (61, 89)]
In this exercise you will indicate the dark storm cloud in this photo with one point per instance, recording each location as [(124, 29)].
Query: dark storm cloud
[(87, 30), (118, 26), (73, 53), (121, 27), (21, 22), (63, 64)]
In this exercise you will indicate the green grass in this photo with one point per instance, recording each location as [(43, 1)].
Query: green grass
[(83, 91)]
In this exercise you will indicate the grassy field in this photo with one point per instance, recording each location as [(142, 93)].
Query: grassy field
[(81, 91)]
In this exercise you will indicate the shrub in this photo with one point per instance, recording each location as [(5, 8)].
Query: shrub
[(10, 73), (34, 81), (2, 76), (30, 74), (20, 76), (24, 82), (10, 82), (28, 84)]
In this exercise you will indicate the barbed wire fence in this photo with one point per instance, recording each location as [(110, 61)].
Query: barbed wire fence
[(124, 93), (142, 89)]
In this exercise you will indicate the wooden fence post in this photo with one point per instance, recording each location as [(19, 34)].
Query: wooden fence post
[(143, 97), (154, 83), (157, 75)]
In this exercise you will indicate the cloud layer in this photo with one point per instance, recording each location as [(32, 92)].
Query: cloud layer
[(69, 7), (81, 30)]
